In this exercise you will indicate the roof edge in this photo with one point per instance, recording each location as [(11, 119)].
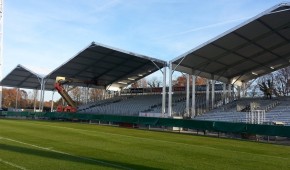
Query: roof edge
[(268, 11), (21, 66), (93, 44), (130, 53), (48, 75)]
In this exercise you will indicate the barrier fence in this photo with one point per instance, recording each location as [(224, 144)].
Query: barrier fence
[(259, 129)]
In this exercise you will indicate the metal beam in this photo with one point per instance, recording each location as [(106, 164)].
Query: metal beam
[(193, 97), (207, 94), (164, 93), (170, 91), (212, 94), (187, 95)]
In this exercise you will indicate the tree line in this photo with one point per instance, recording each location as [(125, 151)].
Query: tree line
[(278, 80)]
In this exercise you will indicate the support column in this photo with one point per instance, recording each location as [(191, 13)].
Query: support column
[(243, 89), (229, 93), (51, 107), (43, 91), (193, 97), (1, 47), (16, 101), (239, 92), (39, 107), (104, 97), (35, 99), (224, 94), (164, 93), (187, 95), (212, 94), (207, 95), (170, 91), (41, 97), (86, 94)]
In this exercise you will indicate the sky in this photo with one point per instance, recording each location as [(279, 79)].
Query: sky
[(43, 34)]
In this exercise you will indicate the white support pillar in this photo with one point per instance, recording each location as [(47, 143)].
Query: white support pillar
[(35, 99), (264, 117), (251, 117), (229, 92), (51, 108), (170, 91), (207, 95), (42, 96), (187, 95), (193, 97), (86, 94), (212, 94), (243, 89), (1, 45), (16, 101), (224, 94), (104, 92), (239, 92), (164, 93)]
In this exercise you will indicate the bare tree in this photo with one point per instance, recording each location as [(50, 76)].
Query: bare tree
[(267, 87), (95, 94), (154, 82), (181, 81), (252, 90), (75, 94), (282, 81), (142, 83)]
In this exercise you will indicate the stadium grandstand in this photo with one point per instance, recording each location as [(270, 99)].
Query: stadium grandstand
[(252, 49)]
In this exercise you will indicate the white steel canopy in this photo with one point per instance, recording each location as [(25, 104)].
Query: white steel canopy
[(255, 48), (21, 77), (103, 66)]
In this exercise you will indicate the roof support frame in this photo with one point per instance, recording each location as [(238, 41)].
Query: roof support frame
[(93, 62), (220, 75), (282, 66), (253, 42), (254, 56), (39, 79), (237, 79), (217, 57), (252, 68), (120, 67), (231, 51), (157, 66), (131, 71), (173, 70), (93, 50), (105, 72), (90, 71), (244, 45), (260, 37), (275, 30), (209, 60)]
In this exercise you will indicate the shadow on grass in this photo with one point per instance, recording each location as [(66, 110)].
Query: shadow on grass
[(73, 158)]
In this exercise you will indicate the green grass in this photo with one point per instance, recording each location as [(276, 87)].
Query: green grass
[(58, 145)]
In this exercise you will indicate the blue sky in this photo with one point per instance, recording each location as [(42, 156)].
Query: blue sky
[(43, 34)]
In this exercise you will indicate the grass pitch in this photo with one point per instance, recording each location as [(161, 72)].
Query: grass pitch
[(58, 145)]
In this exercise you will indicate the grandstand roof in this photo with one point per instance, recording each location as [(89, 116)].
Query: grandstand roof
[(103, 66), (21, 77), (254, 48)]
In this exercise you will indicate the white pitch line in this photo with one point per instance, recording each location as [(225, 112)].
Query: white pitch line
[(12, 164), (159, 140), (65, 153)]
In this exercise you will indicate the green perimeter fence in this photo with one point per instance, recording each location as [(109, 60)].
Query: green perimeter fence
[(268, 130)]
